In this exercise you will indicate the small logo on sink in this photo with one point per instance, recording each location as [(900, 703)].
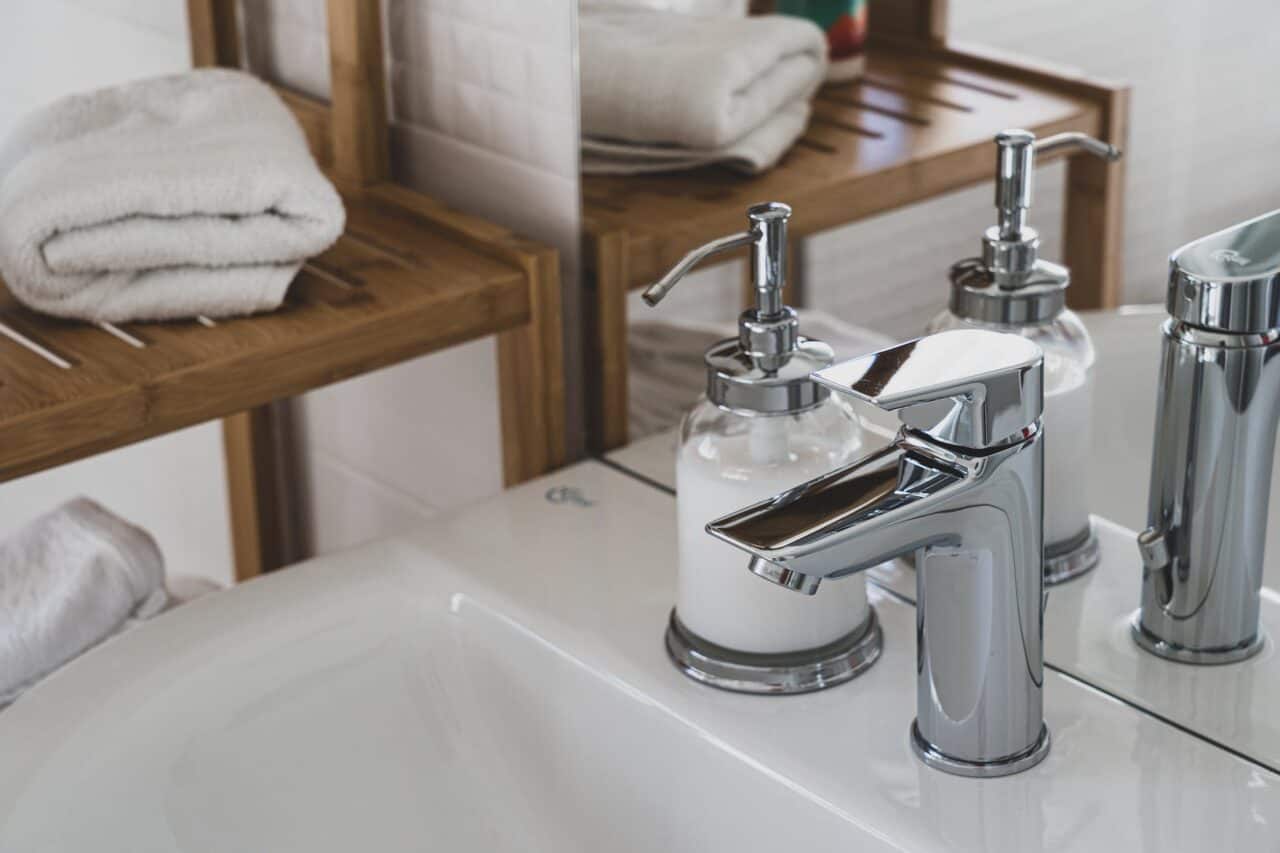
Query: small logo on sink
[(1229, 256), (567, 495)]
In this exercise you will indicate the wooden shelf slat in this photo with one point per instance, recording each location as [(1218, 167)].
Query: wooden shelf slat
[(892, 125), (919, 123), (398, 284)]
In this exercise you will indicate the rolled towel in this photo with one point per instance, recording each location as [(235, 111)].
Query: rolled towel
[(69, 580), (162, 199), (756, 152), (692, 82)]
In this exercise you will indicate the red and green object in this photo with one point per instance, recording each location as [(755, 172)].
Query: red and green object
[(845, 23)]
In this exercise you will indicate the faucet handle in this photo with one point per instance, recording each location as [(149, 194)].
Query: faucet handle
[(971, 388), (1229, 282)]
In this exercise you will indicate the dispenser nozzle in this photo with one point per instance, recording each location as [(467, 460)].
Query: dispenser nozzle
[(656, 292), (1009, 248), (768, 238)]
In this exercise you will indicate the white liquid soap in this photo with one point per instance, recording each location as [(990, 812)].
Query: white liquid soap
[(1067, 422), (717, 598), (764, 426)]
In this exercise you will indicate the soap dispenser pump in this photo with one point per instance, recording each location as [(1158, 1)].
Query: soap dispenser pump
[(1011, 289), (762, 426)]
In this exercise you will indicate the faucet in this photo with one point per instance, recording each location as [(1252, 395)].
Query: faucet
[(1216, 412), (962, 486)]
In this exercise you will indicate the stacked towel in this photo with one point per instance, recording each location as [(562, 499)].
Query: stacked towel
[(663, 91), (68, 580), (163, 199)]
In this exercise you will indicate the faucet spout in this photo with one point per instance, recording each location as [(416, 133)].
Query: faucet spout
[(882, 506), (973, 517)]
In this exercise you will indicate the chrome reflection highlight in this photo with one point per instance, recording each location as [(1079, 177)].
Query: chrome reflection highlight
[(1216, 414), (962, 483)]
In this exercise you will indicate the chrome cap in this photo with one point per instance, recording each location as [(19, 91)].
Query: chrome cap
[(742, 382), (1229, 281), (976, 296)]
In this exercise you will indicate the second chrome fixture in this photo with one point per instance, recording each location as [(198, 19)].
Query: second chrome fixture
[(961, 487), (1011, 289), (1216, 415)]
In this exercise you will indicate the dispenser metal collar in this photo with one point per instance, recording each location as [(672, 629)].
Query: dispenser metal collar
[(766, 369)]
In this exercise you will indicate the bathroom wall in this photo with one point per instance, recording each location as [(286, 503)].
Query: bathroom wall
[(487, 121), (484, 116), (1202, 154), (172, 485)]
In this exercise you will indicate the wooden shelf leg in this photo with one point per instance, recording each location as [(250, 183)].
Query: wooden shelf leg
[(1094, 217), (259, 486), (214, 32), (606, 345), (531, 382)]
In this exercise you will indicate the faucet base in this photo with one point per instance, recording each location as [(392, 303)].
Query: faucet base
[(1204, 657), (1069, 559), (776, 674), (927, 753)]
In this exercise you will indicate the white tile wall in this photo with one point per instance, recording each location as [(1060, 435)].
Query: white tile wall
[(174, 485), (484, 105)]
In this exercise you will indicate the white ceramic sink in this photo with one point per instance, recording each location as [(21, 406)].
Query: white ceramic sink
[(368, 702), (497, 681)]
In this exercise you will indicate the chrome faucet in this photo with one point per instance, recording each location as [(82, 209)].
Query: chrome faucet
[(962, 486), (1216, 414)]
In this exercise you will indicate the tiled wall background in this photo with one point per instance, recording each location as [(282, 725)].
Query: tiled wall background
[(484, 116), (484, 93), (1202, 154), (486, 121)]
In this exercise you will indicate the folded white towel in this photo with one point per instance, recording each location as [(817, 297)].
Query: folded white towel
[(162, 199), (757, 152), (69, 580), (693, 82)]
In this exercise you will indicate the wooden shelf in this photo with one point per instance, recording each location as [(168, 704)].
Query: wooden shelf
[(919, 123), (409, 277)]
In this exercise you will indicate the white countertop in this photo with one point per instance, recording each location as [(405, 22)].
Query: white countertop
[(497, 681)]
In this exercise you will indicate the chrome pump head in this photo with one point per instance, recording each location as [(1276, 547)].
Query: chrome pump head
[(765, 370), (1009, 284)]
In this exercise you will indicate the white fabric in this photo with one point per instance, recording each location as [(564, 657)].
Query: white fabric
[(69, 580), (754, 153), (696, 82), (663, 91), (162, 199)]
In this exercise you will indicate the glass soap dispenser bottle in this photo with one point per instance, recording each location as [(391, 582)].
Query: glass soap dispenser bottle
[(1010, 289), (763, 426)]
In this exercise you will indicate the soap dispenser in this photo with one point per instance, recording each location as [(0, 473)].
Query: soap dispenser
[(762, 426), (1010, 289)]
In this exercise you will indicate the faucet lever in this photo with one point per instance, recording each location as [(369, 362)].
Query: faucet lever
[(989, 382)]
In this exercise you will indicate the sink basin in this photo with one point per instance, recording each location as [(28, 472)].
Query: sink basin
[(374, 709), (497, 681)]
